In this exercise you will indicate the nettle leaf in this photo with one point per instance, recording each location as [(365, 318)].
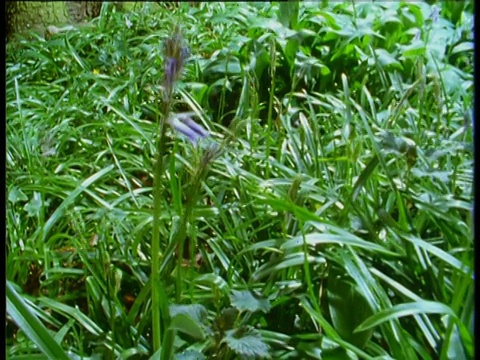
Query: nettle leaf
[(246, 345), (247, 301)]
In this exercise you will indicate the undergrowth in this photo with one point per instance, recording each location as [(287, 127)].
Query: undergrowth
[(327, 214)]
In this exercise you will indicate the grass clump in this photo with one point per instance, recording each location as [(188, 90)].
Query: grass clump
[(300, 186)]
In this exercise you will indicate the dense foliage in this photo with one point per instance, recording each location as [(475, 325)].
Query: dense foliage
[(334, 220)]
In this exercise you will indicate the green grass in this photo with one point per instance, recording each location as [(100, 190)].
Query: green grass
[(335, 222)]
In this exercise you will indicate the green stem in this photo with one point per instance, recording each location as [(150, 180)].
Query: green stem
[(270, 104), (157, 195), (181, 235)]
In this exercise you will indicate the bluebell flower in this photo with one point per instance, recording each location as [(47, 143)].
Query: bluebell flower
[(435, 14), (175, 54), (184, 124)]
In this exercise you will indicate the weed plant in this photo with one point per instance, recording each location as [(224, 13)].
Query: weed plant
[(298, 187)]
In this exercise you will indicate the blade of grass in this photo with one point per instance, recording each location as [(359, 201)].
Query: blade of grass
[(33, 328), (407, 309)]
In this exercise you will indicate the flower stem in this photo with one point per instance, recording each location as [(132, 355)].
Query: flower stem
[(155, 246)]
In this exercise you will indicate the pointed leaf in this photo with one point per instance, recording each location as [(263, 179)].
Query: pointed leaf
[(407, 309), (195, 311), (185, 324), (31, 326), (348, 308)]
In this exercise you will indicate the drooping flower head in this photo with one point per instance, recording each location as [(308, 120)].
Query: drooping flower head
[(184, 124), (176, 53)]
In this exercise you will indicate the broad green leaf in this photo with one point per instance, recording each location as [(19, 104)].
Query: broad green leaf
[(270, 24), (196, 311), (288, 13), (329, 330), (387, 60), (348, 308), (246, 301), (227, 66), (185, 324), (246, 345), (414, 50), (227, 318)]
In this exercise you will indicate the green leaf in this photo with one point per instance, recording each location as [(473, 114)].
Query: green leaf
[(288, 261), (226, 319), (16, 195), (75, 313), (456, 350), (290, 51), (34, 206), (364, 176), (185, 324), (387, 60), (413, 51), (463, 47), (348, 308), (441, 254), (247, 301), (315, 239), (31, 326), (249, 345), (227, 66), (60, 210), (270, 24), (288, 13), (190, 355), (196, 311), (407, 309)]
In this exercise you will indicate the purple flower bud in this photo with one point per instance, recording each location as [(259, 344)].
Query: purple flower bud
[(175, 55), (170, 73), (435, 13)]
